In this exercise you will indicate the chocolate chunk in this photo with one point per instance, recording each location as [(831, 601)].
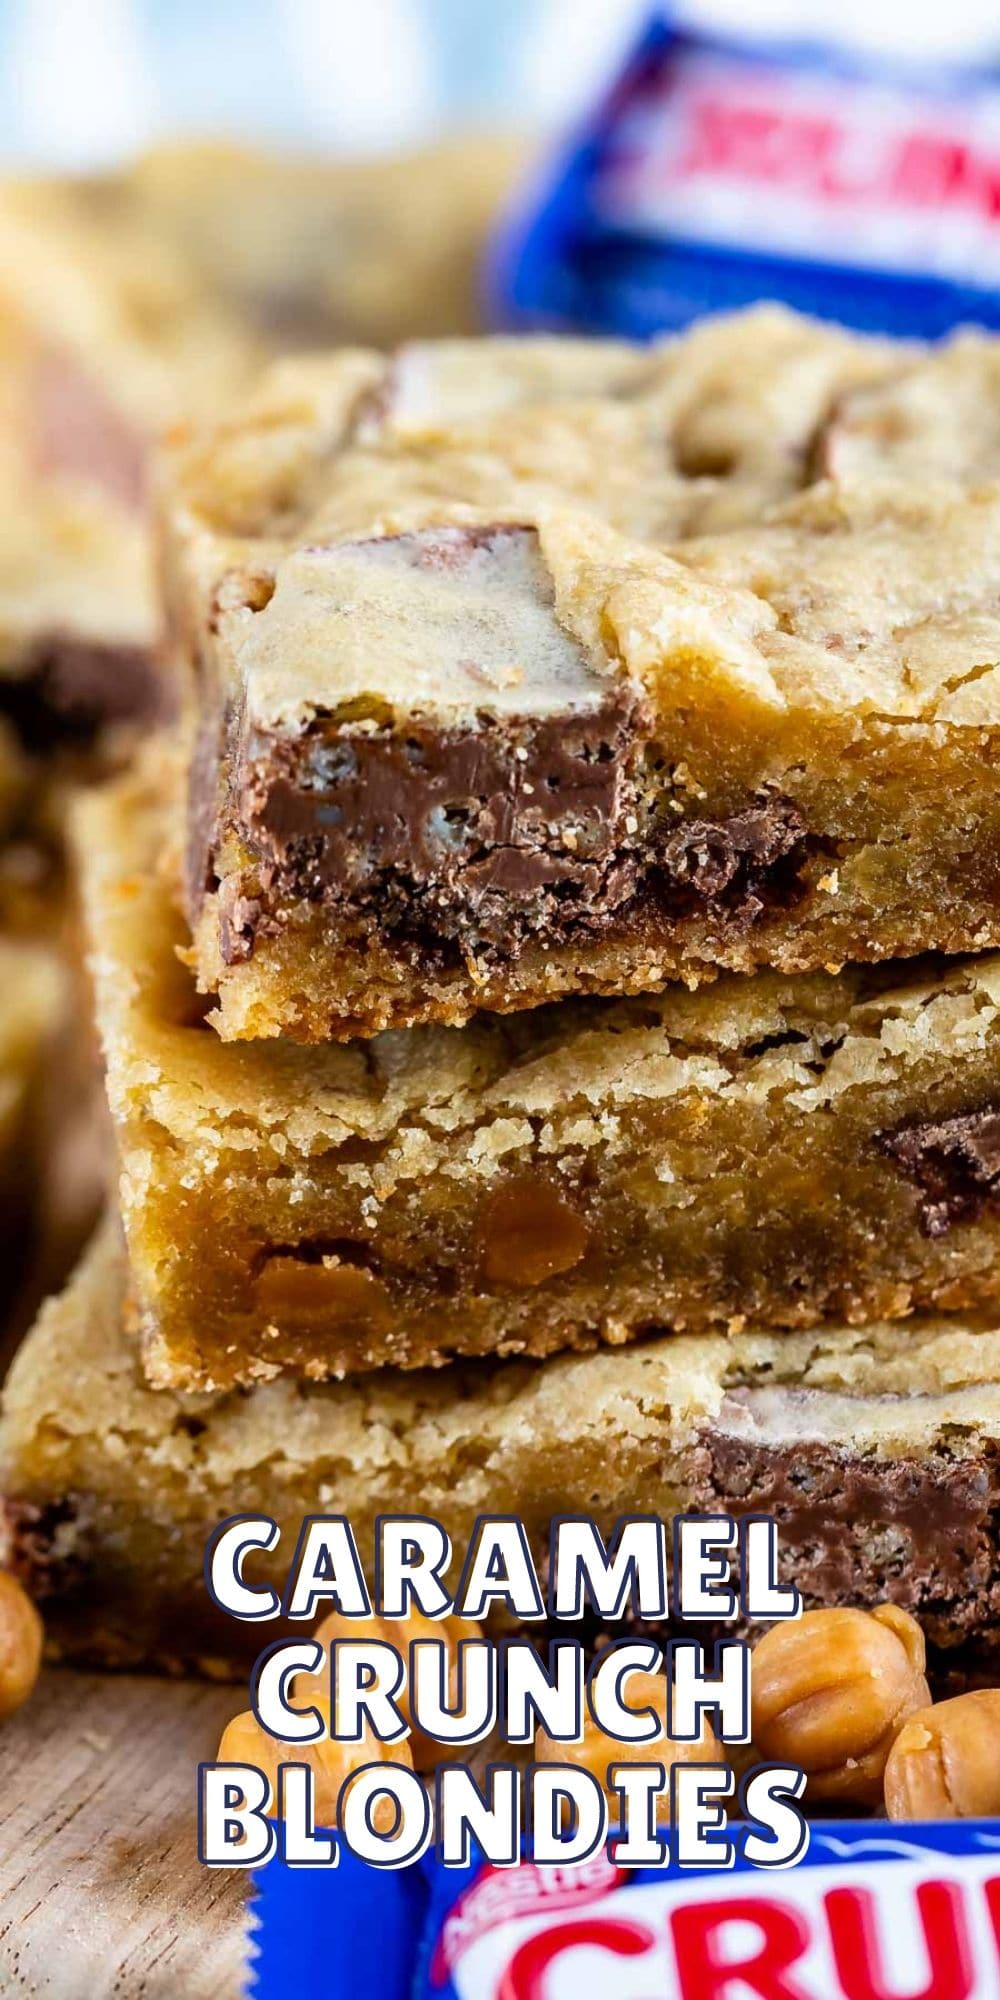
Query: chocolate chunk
[(856, 1526), (955, 1164), (35, 1545), (494, 778), (738, 860), (473, 827), (501, 786), (72, 688), (444, 836), (448, 836)]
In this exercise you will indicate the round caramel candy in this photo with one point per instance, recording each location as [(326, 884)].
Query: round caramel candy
[(21, 1640), (945, 1762), (830, 1692)]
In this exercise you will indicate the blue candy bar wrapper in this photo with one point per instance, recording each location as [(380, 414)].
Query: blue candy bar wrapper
[(869, 1912), (713, 174), (353, 1930)]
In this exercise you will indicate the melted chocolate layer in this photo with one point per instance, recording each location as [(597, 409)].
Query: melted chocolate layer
[(541, 830), (536, 805), (857, 1529), (856, 1526), (480, 816)]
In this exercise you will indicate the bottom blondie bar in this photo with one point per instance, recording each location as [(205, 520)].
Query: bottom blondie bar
[(876, 1449)]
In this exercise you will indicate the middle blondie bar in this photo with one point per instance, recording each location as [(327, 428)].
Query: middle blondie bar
[(764, 1151)]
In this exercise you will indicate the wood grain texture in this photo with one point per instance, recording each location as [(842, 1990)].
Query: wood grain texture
[(102, 1896)]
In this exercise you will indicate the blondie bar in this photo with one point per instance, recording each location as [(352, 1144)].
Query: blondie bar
[(777, 1149), (478, 730), (77, 618), (130, 296), (104, 333), (876, 1450), (375, 250)]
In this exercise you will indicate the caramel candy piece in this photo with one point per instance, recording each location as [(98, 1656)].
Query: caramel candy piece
[(343, 1294), (425, 1750), (21, 1638), (246, 1741), (530, 1233), (945, 1762), (597, 1752), (830, 1693)]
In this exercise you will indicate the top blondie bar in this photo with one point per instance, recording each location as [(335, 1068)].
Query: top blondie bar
[(528, 667)]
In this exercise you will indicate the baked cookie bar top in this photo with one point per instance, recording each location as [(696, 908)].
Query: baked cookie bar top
[(77, 617), (875, 1449), (105, 333), (525, 670), (161, 287), (935, 415), (778, 1149)]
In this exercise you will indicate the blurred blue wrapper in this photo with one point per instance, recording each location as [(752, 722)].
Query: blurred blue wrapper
[(862, 1896), (351, 1931), (713, 173)]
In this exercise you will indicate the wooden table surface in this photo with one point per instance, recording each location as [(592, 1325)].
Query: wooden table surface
[(102, 1896)]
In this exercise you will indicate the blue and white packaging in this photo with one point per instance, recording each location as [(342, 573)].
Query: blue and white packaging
[(713, 174), (870, 1912)]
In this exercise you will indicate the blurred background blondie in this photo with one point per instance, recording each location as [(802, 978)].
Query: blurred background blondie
[(129, 298)]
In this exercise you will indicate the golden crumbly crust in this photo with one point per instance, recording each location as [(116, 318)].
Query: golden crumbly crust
[(534, 1181), (113, 1489)]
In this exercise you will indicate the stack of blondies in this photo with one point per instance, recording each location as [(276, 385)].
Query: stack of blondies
[(545, 980)]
